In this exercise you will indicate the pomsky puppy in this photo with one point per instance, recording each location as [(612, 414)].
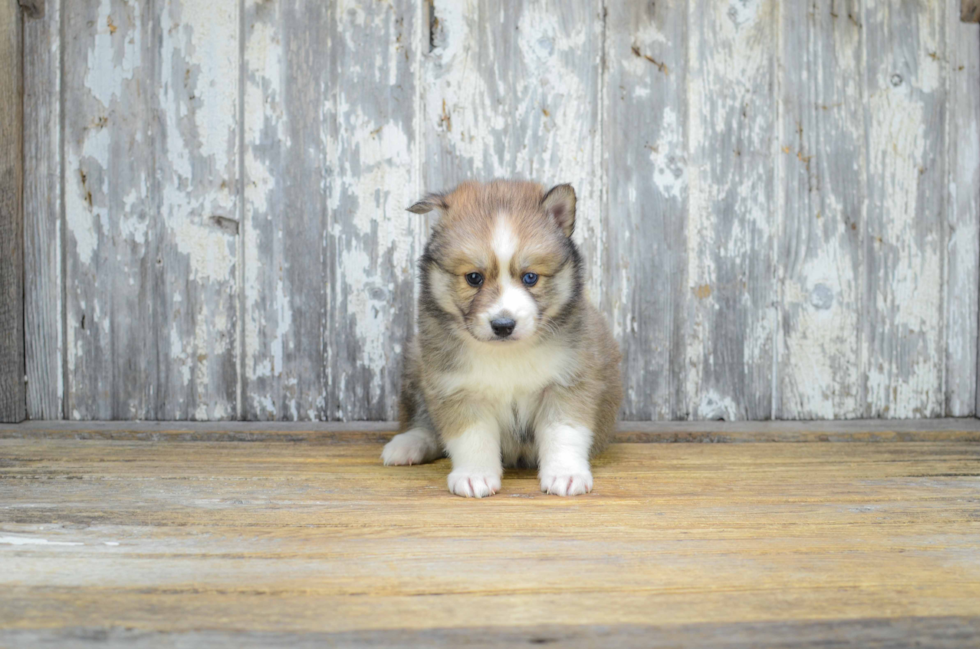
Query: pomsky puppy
[(512, 365)]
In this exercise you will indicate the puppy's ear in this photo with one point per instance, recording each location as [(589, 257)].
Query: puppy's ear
[(559, 203), (428, 203)]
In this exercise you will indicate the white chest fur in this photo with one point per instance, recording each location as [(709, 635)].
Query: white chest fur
[(509, 376)]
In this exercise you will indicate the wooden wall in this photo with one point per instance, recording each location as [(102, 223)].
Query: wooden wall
[(778, 201), (12, 386)]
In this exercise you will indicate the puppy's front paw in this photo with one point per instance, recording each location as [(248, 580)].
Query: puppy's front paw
[(413, 447), (471, 484), (562, 483)]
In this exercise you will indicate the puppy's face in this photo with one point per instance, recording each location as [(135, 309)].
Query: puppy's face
[(500, 263)]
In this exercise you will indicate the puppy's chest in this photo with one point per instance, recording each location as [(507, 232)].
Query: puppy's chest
[(509, 379)]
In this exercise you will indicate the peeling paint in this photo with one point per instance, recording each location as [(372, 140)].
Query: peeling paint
[(835, 279)]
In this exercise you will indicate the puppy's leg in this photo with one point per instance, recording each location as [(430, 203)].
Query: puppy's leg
[(416, 446), (476, 460), (563, 458)]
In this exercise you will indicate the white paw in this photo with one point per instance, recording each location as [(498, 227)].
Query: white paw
[(413, 447), (566, 483), (471, 484)]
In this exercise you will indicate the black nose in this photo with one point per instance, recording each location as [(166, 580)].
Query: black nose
[(503, 327)]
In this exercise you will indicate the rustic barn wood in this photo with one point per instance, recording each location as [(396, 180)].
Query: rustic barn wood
[(43, 225), (331, 163), (13, 402), (821, 162), (130, 542), (514, 90), (645, 145), (731, 121), (151, 209), (966, 429), (778, 201), (962, 72)]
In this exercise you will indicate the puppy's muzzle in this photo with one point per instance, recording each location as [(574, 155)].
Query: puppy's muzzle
[(503, 327)]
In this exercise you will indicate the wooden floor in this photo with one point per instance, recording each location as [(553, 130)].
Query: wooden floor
[(127, 541)]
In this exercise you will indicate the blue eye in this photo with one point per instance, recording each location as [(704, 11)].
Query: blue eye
[(474, 279), (530, 279)]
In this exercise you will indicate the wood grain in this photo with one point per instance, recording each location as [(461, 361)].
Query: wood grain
[(513, 91), (330, 117), (710, 432), (176, 540), (12, 388), (821, 163), (940, 632), (962, 71), (728, 368), (904, 225), (151, 162), (43, 226), (778, 202), (645, 139)]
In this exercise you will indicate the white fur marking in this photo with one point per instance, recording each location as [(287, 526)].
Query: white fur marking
[(514, 299), (476, 461), (504, 245), (415, 446), (563, 459)]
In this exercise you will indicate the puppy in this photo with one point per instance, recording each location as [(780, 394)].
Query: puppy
[(512, 365)]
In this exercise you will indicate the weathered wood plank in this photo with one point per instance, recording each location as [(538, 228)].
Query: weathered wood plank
[(644, 146), (731, 293), (373, 241), (286, 67), (43, 290), (962, 282), (330, 252), (12, 388), (362, 432), (151, 211), (291, 538), (512, 90), (939, 632), (903, 346), (821, 166)]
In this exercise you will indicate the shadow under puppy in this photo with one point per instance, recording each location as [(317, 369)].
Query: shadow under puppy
[(512, 365)]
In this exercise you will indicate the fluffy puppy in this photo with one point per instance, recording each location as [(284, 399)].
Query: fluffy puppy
[(512, 365)]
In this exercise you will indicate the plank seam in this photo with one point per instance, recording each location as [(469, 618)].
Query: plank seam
[(62, 211), (240, 248), (944, 218), (777, 207), (865, 279)]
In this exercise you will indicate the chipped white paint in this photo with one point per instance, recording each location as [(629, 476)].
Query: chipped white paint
[(821, 164), (26, 540), (903, 343), (777, 202), (527, 110), (962, 69)]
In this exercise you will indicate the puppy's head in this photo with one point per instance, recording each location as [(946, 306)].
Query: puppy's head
[(500, 265)]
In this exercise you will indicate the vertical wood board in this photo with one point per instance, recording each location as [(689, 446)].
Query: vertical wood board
[(151, 153), (821, 165), (730, 304), (903, 345), (962, 72), (330, 119), (12, 389), (43, 294), (645, 137)]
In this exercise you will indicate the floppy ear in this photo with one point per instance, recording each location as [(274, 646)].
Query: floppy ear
[(559, 203), (428, 203)]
